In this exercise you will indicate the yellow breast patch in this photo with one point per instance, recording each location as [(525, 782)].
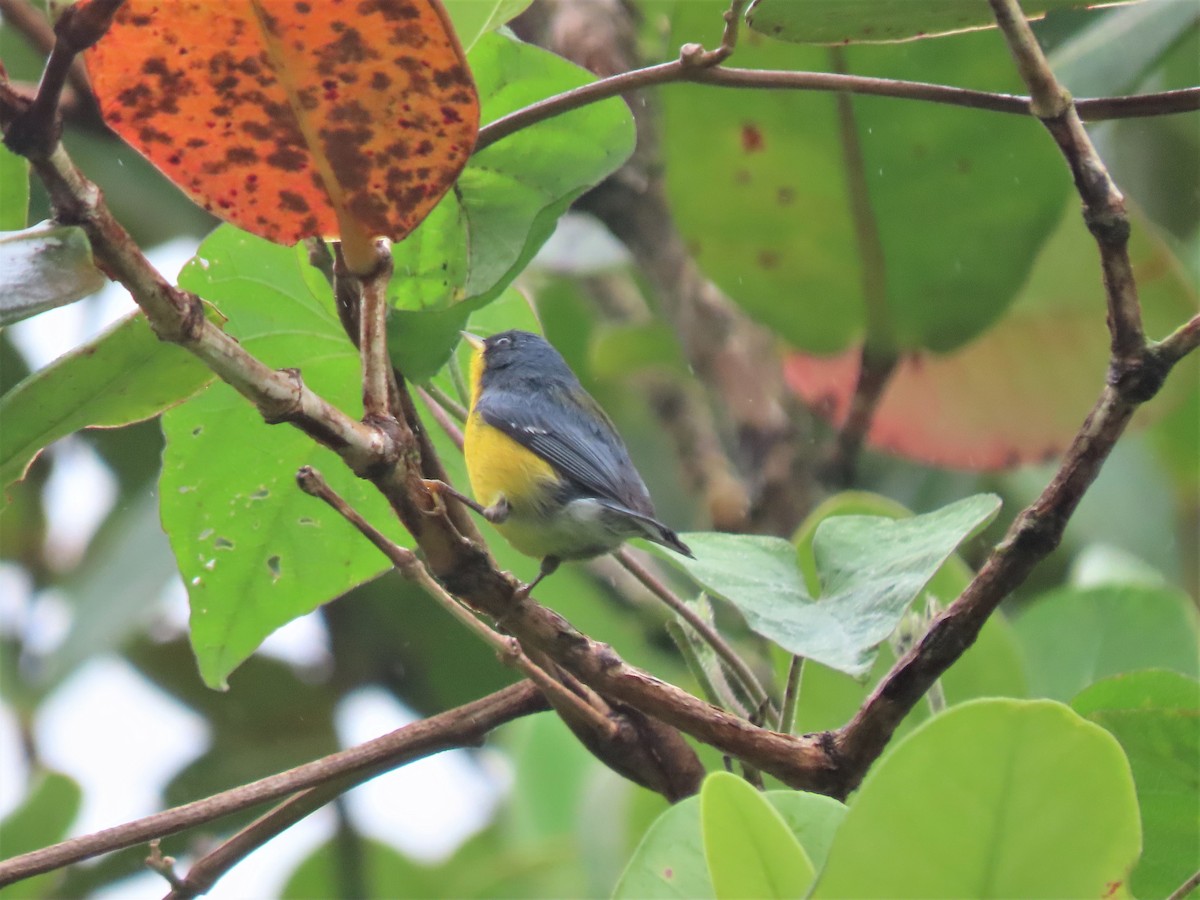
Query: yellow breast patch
[(499, 466)]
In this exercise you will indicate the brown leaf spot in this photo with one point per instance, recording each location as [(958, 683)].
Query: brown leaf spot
[(768, 259), (786, 196), (752, 138), (293, 202)]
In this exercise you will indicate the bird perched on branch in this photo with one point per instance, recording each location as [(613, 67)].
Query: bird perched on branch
[(546, 464)]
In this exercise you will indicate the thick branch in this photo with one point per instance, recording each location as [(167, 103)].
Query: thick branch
[(1136, 372), (464, 726)]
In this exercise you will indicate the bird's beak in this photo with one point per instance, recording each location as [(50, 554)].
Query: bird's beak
[(473, 339)]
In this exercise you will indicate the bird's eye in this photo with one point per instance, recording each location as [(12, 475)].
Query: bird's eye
[(502, 342)]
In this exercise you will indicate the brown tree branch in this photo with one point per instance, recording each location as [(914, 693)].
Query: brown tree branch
[(1092, 110), (1136, 372), (464, 726), (832, 764), (1103, 204)]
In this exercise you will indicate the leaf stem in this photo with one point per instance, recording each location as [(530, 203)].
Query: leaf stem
[(791, 695), (737, 666)]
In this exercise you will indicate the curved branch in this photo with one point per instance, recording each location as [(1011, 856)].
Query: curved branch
[(1136, 372), (1091, 110), (464, 726)]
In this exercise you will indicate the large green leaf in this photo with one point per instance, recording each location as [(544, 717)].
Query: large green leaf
[(669, 863), (749, 849), (125, 375), (254, 551), (44, 267), (1156, 717), (993, 798), (474, 18), (870, 570), (1086, 64), (1072, 637), (506, 202), (871, 21), (961, 199)]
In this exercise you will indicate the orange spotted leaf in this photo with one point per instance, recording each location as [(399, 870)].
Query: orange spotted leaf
[(295, 119)]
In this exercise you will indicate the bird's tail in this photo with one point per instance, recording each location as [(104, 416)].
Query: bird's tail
[(668, 538)]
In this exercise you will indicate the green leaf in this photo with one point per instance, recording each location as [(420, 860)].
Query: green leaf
[(962, 200), (14, 190), (1086, 64), (993, 798), (44, 267), (255, 552), (749, 850), (991, 666), (474, 18), (506, 202), (870, 569), (1073, 637), (669, 863), (1156, 717), (42, 819), (125, 375), (880, 21)]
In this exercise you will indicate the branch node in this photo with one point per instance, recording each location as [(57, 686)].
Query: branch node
[(1140, 379), (276, 412), (1107, 225)]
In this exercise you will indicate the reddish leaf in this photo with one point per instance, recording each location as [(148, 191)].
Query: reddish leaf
[(1018, 393), (295, 119)]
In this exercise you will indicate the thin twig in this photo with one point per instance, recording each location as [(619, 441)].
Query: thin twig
[(1179, 343), (1094, 110), (1186, 888), (746, 678), (37, 130), (445, 422), (410, 566), (463, 726), (791, 695), (878, 358), (445, 401)]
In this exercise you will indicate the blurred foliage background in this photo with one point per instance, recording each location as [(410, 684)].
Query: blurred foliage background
[(985, 258)]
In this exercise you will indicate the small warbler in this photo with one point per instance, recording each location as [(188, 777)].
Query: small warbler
[(546, 464)]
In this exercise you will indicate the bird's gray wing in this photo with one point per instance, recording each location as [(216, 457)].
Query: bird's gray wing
[(571, 432)]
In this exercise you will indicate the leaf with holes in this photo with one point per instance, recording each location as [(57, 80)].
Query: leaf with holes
[(294, 120), (254, 551)]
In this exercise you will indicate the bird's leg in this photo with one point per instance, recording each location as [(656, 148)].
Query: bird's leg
[(549, 564), (496, 513)]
